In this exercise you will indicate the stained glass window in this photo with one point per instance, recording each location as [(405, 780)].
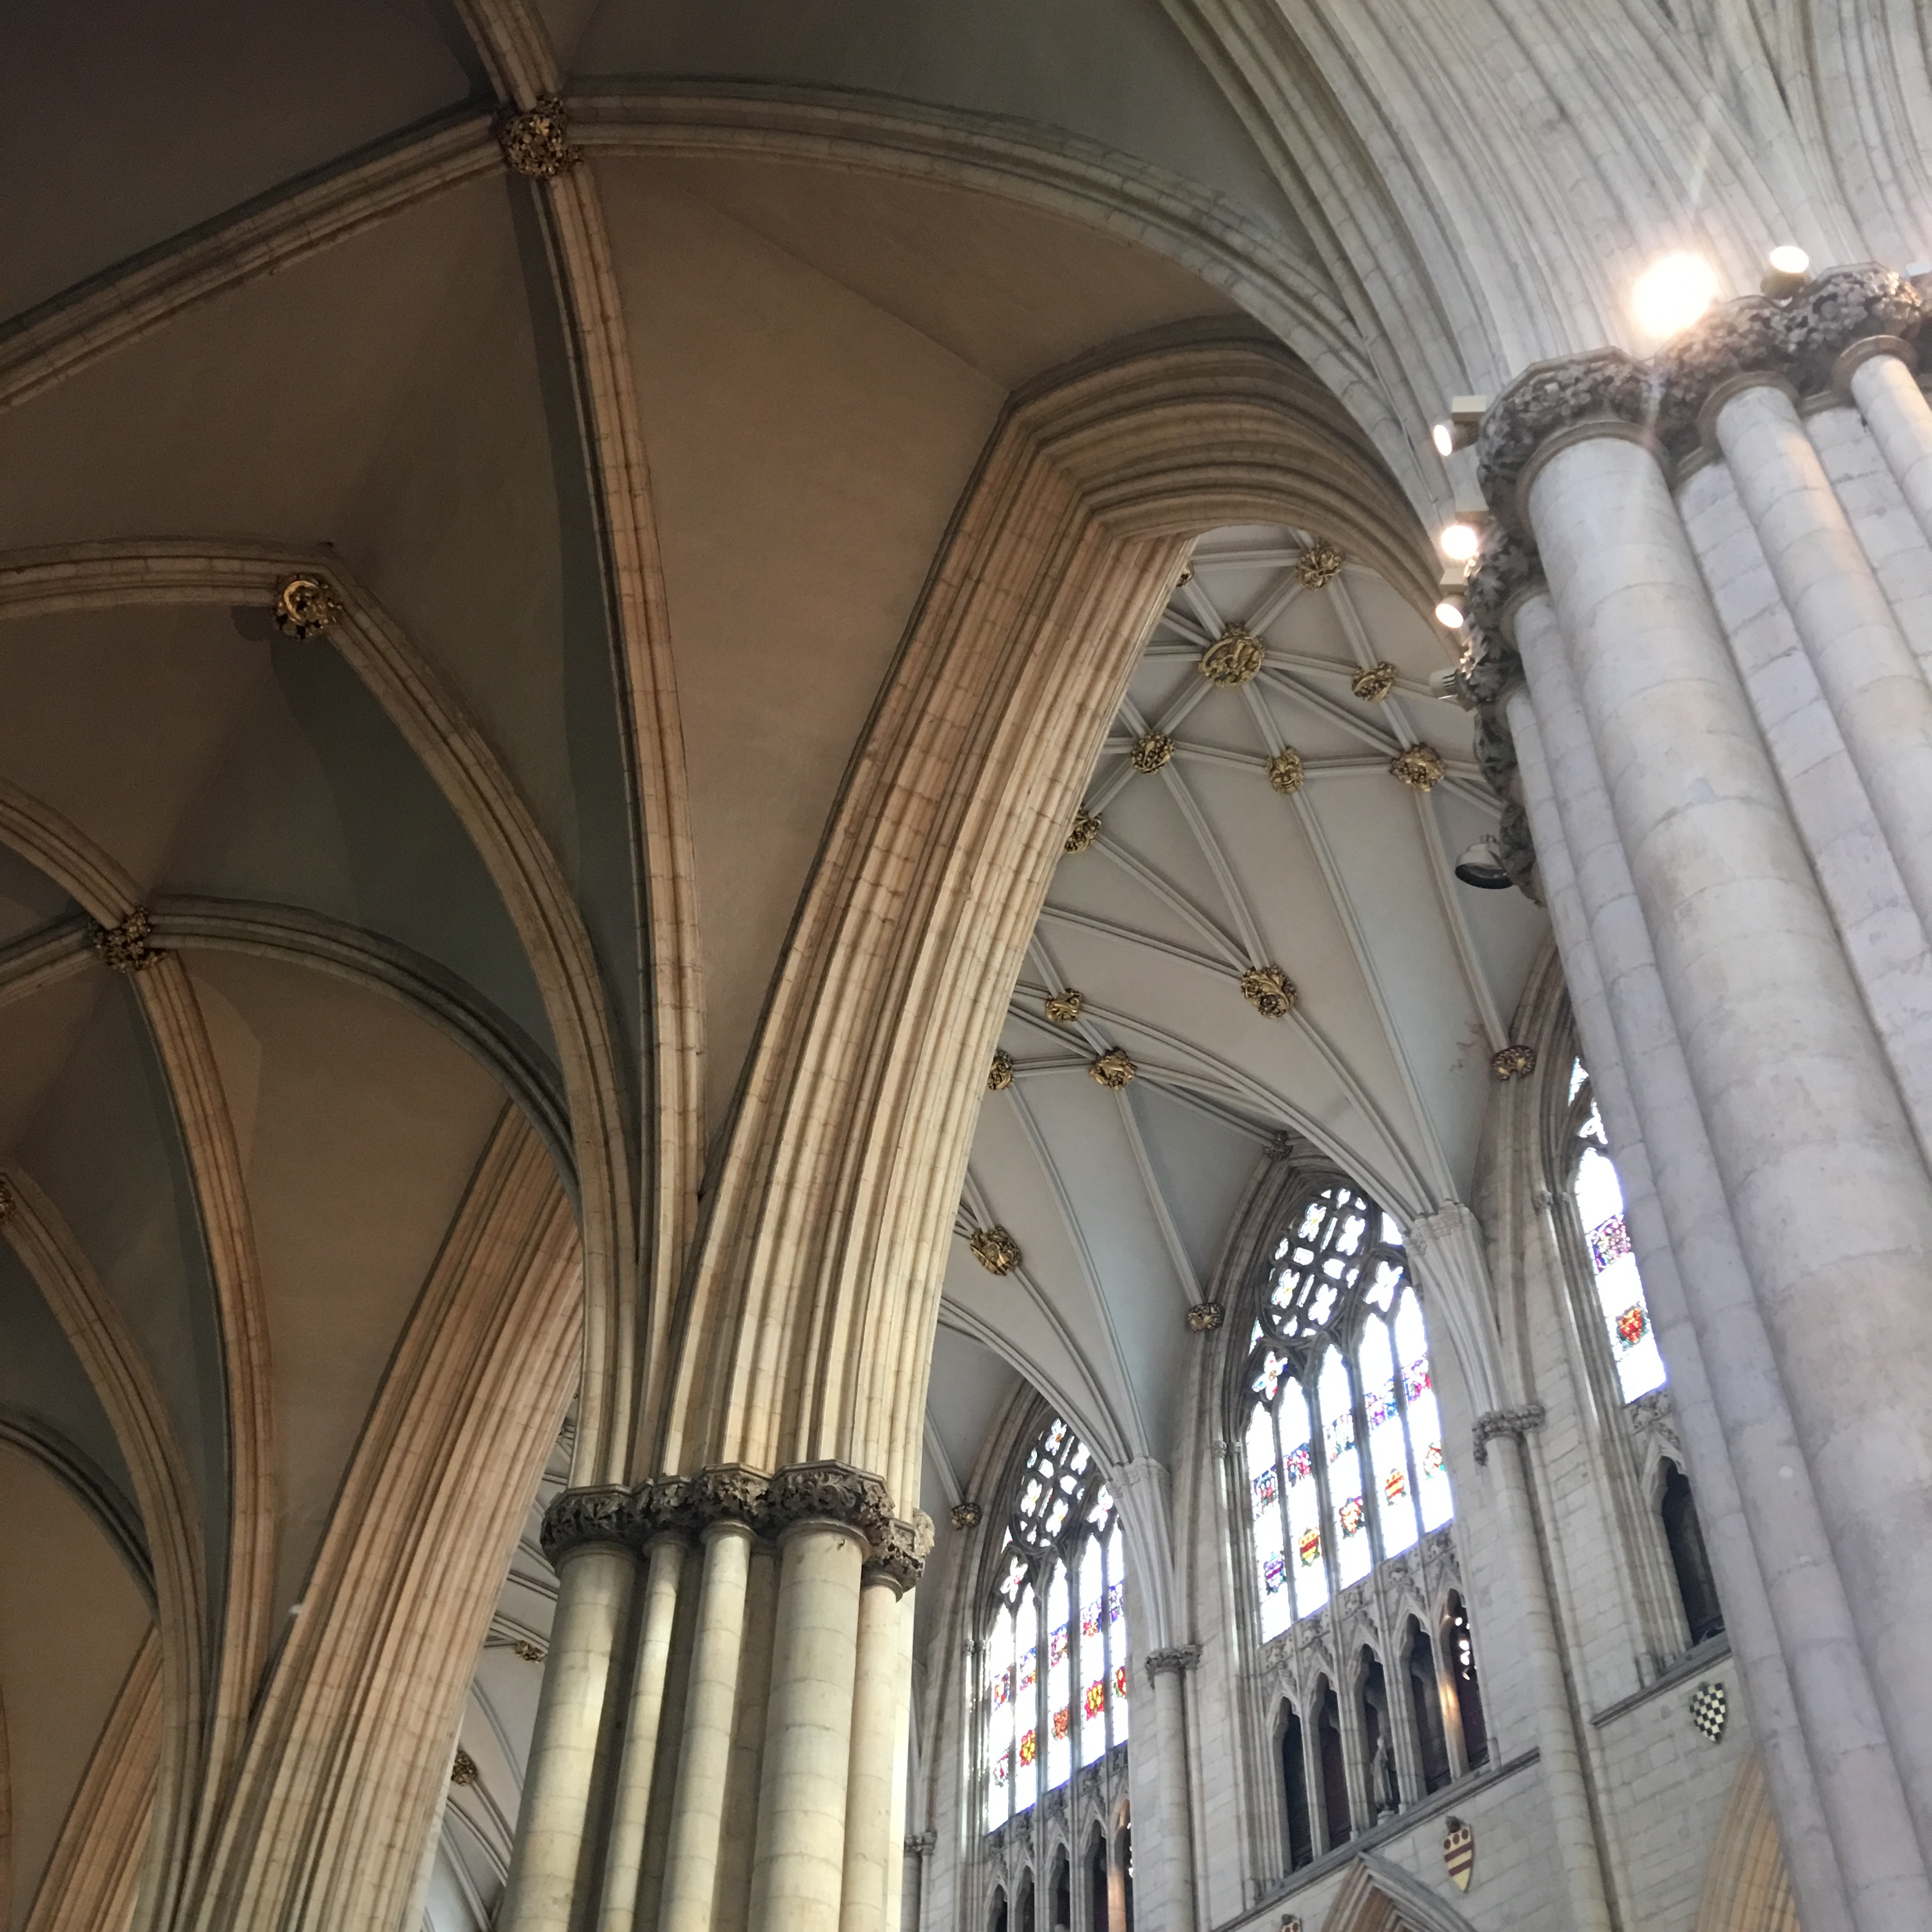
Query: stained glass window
[(1599, 1199), (1056, 1659), (1343, 1443)]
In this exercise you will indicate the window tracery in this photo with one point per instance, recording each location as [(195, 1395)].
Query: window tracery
[(1344, 1437), (1598, 1197), (1057, 1656)]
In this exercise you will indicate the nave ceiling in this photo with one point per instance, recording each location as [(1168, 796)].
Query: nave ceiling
[(841, 239)]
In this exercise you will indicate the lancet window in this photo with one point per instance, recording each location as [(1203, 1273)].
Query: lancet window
[(1599, 1201), (1343, 1436), (1057, 1655)]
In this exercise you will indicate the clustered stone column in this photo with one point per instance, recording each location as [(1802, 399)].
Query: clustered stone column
[(1166, 1672), (1704, 690), (706, 1758)]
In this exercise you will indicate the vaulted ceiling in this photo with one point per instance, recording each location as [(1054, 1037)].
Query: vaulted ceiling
[(272, 301)]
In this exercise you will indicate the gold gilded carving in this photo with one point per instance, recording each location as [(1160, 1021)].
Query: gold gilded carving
[(124, 947), (1187, 576), (1084, 829), (1374, 684), (965, 1515), (1269, 991), (535, 141), (1063, 1009), (305, 606), (1204, 1317), (1151, 752), (1419, 766), (1113, 1069), (1515, 1062), (995, 1249), (1285, 771), (531, 1653), (1000, 1075), (1233, 658), (1319, 567), (463, 1771)]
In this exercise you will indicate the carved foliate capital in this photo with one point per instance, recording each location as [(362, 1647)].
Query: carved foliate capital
[(579, 1516), (1172, 1662), (660, 1509), (1797, 341), (1547, 397), (729, 1493), (900, 1560), (1517, 1423), (830, 1493)]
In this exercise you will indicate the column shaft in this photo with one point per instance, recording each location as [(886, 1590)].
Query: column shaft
[(697, 1806), (624, 1857), (1176, 1837), (1877, 691), (1830, 1202), (594, 1582), (1899, 418), (1562, 1754), (1810, 1855), (797, 1873), (873, 1851)]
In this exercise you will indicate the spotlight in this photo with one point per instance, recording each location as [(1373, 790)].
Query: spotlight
[(1460, 540), (1464, 424), (1671, 294), (1480, 867), (1449, 614), (1447, 687), (1788, 270)]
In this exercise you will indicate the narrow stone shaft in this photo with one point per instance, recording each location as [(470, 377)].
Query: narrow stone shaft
[(796, 1876), (1877, 691), (624, 1857), (873, 1849), (594, 1582), (1809, 1854), (704, 1758)]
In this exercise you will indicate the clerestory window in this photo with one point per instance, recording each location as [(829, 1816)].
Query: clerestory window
[(1344, 1439), (1599, 1200), (1056, 1653)]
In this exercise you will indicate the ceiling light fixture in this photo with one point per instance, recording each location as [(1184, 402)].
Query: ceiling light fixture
[(1460, 540), (1671, 294), (1463, 425), (1449, 614), (1787, 269), (1479, 866)]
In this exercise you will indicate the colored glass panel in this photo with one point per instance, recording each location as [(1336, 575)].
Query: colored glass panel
[(1388, 1446), (1600, 1206), (1434, 1502), (1353, 1555)]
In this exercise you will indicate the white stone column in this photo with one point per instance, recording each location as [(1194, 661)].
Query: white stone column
[(1830, 1202), (1560, 1749), (875, 1814), (1810, 1857), (704, 1754), (797, 1871), (1881, 383), (630, 1811), (1875, 686), (912, 1881), (582, 1536), (1173, 1837)]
